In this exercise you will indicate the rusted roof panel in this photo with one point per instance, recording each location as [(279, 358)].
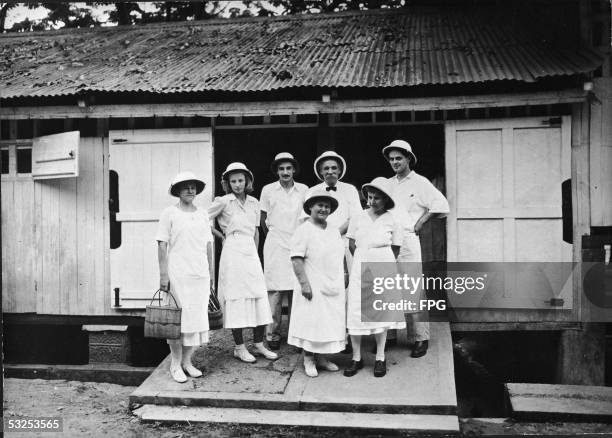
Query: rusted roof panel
[(407, 47)]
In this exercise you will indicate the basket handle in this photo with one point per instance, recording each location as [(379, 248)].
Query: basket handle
[(159, 298)]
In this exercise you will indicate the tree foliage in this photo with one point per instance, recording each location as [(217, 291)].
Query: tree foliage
[(63, 14)]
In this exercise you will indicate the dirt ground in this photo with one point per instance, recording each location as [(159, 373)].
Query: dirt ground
[(101, 409)]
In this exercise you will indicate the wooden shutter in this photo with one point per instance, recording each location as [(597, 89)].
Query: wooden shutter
[(56, 156)]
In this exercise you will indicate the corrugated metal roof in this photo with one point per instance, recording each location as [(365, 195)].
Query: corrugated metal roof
[(372, 49)]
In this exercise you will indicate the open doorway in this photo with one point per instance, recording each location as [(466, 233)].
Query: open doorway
[(257, 147), (359, 145)]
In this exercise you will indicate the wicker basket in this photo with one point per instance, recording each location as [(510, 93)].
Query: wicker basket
[(163, 321), (215, 314)]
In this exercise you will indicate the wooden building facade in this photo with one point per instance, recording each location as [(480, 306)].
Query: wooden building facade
[(525, 163)]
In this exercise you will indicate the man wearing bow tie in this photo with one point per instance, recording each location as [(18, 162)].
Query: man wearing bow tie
[(330, 167)]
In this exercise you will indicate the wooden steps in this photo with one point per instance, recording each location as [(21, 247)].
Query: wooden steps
[(374, 423), (415, 395)]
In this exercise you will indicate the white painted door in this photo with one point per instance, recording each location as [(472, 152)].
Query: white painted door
[(146, 162), (504, 187)]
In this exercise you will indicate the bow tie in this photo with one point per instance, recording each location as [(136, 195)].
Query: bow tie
[(328, 188)]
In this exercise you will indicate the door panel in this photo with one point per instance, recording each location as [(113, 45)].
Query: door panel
[(504, 188), (146, 162), (537, 167), (479, 159), (471, 249)]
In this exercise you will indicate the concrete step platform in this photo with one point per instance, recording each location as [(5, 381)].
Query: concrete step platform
[(364, 422), (423, 386), (541, 402)]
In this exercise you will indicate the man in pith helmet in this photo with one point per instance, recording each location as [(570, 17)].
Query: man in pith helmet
[(416, 201)]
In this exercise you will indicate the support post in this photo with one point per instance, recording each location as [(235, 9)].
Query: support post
[(582, 356)]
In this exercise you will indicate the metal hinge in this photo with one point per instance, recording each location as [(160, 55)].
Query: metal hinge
[(556, 302)]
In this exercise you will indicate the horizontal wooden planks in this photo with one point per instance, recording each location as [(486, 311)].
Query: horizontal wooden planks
[(214, 109)]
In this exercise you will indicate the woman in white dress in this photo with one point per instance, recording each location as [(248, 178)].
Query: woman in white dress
[(375, 236), (318, 318), (184, 255), (242, 287)]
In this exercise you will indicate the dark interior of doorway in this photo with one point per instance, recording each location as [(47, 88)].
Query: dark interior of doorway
[(359, 145)]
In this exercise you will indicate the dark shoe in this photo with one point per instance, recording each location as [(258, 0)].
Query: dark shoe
[(420, 349), (388, 343), (348, 349), (352, 369), (274, 345), (380, 368)]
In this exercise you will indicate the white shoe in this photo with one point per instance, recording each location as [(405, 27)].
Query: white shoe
[(325, 364), (177, 374), (192, 371), (243, 354), (310, 367), (263, 351)]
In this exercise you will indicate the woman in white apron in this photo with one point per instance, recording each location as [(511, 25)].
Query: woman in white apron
[(242, 287), (318, 319), (184, 253), (374, 236)]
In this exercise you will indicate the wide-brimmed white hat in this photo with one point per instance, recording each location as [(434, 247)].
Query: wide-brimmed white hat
[(317, 195), (282, 157), (400, 145), (237, 167), (184, 177), (382, 185), (329, 155)]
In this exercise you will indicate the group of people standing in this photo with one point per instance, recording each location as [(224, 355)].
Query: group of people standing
[(312, 237)]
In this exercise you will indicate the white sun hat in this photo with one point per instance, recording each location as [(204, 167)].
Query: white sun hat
[(400, 145), (381, 184), (237, 167), (320, 194), (282, 157), (329, 155), (184, 177)]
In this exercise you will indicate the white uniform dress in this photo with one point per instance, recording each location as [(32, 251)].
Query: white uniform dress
[(283, 209), (188, 234), (242, 287), (373, 239), (319, 325)]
